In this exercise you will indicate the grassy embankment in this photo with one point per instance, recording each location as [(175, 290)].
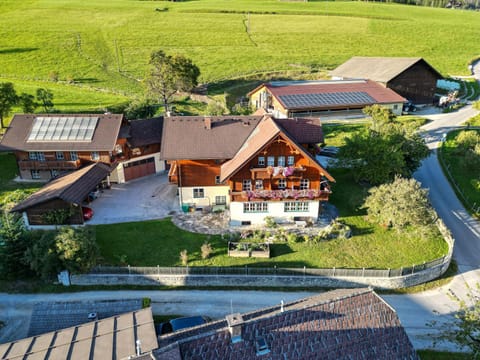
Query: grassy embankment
[(100, 50)]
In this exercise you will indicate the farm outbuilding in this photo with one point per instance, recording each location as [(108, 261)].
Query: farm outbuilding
[(66, 193), (284, 99), (412, 78)]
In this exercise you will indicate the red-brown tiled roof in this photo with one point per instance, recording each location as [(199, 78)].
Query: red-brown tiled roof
[(104, 136), (188, 137), (340, 324), (369, 93), (304, 131), (145, 131), (72, 187)]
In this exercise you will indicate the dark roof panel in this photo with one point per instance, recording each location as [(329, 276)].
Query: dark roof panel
[(146, 131)]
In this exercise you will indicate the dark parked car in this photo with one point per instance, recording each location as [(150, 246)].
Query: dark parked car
[(87, 213), (330, 151), (180, 323)]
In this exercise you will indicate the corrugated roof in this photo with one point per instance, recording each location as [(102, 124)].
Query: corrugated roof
[(339, 324), (188, 137), (381, 69), (104, 136), (111, 338), (324, 95), (72, 187)]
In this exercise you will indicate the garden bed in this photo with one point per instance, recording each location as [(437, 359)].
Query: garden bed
[(243, 249)]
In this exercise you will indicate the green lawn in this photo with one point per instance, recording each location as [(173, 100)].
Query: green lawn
[(8, 171), (442, 355), (465, 175), (104, 46)]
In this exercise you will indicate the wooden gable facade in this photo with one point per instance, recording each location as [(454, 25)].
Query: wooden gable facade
[(279, 171)]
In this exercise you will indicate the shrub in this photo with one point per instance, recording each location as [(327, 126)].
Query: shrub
[(206, 250), (292, 238), (184, 257), (270, 222), (467, 140), (53, 76), (146, 302)]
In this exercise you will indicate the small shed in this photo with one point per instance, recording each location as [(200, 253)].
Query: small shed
[(412, 78), (65, 193)]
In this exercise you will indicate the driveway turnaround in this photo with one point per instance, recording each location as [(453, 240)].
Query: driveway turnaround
[(148, 198)]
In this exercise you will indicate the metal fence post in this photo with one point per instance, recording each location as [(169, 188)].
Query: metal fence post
[(129, 270), (333, 271), (413, 268), (158, 270), (246, 270)]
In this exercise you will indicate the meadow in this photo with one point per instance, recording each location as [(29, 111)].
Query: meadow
[(100, 50)]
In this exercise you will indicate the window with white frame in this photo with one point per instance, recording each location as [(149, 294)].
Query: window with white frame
[(271, 161), (198, 193), (259, 184), (281, 161), (247, 185), (255, 207), (36, 155), (261, 161), (291, 160), (73, 156), (282, 183), (35, 174), (220, 200), (59, 155), (304, 184), (296, 206)]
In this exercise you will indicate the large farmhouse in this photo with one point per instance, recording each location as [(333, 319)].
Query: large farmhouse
[(412, 78), (257, 165), (285, 99), (47, 146)]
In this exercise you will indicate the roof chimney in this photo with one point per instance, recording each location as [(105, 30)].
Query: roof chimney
[(235, 322), (208, 123)]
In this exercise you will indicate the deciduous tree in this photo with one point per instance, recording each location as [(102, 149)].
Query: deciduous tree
[(398, 204), (45, 97), (170, 74), (27, 103), (8, 98)]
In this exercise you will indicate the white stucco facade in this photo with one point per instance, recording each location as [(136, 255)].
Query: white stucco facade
[(211, 195), (281, 211)]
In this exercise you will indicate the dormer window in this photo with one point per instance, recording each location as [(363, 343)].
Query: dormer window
[(261, 161), (261, 346)]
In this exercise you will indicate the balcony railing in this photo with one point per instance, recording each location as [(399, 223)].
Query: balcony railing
[(48, 164), (272, 195), (276, 171)]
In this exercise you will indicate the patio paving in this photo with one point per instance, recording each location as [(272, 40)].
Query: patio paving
[(148, 198)]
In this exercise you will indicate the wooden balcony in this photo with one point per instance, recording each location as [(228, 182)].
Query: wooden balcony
[(276, 171), (48, 165), (280, 195)]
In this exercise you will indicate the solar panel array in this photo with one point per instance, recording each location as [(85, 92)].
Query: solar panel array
[(70, 128), (323, 99)]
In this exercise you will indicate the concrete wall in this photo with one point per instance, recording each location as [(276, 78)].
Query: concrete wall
[(275, 209)]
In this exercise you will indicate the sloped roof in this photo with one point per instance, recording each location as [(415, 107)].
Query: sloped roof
[(103, 139), (263, 134), (111, 338), (187, 137), (381, 69), (330, 94), (339, 324), (145, 131), (72, 187)]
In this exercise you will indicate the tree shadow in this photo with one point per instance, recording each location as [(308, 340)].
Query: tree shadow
[(17, 50)]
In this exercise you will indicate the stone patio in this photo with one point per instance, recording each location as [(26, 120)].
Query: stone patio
[(218, 223)]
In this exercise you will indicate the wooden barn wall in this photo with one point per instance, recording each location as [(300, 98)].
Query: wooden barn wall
[(198, 172), (417, 84), (35, 213)]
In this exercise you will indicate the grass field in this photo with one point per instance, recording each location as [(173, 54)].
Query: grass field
[(464, 174), (104, 46)]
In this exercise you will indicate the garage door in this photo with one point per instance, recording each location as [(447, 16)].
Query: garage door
[(139, 168)]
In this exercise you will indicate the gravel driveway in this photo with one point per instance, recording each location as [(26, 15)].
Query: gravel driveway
[(148, 198)]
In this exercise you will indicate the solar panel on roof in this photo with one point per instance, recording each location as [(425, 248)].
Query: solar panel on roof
[(325, 99), (63, 128)]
